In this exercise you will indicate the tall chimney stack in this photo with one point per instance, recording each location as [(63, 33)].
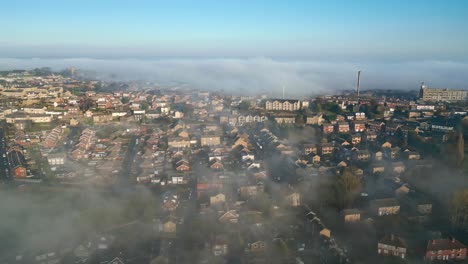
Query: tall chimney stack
[(358, 82)]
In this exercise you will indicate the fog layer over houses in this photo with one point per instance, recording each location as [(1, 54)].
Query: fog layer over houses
[(263, 75)]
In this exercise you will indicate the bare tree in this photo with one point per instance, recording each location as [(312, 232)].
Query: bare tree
[(347, 188)]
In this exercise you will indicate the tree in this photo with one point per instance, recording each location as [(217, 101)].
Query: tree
[(160, 260), (347, 188), (460, 154), (300, 120), (400, 138), (244, 106), (260, 202), (334, 108), (44, 71), (459, 208), (125, 100), (279, 251), (144, 106)]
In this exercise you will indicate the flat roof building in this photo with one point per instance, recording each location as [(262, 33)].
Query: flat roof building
[(445, 95)]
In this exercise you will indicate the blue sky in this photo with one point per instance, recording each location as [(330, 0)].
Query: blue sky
[(360, 29)]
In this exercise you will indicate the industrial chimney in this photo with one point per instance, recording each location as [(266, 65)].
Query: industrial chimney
[(358, 82)]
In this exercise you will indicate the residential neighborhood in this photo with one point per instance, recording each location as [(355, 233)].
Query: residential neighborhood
[(190, 176)]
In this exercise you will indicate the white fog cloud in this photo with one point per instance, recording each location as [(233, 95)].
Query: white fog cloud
[(265, 75)]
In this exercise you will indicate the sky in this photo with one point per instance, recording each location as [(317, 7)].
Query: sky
[(245, 45), (333, 29)]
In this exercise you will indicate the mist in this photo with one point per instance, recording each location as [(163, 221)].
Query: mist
[(263, 75), (41, 219)]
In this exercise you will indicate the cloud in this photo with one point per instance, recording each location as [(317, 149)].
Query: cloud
[(265, 75)]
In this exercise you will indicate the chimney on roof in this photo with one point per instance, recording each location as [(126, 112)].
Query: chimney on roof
[(392, 237), (453, 240), (433, 242)]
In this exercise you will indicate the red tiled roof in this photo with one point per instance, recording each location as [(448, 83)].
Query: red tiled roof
[(444, 244)]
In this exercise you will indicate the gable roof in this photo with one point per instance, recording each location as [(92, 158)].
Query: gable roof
[(393, 240), (444, 244), (384, 202), (116, 261)]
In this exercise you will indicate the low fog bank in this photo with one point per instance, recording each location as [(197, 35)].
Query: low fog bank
[(43, 219), (263, 75)]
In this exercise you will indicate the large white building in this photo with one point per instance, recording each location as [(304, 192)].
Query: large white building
[(283, 105), (446, 95)]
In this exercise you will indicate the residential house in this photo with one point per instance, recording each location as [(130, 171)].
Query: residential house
[(343, 127), (56, 159), (183, 133), (445, 250), (294, 199), (359, 126), (327, 148), (351, 215), (375, 126), (309, 148), (398, 167), (328, 128), (392, 128), (418, 203), (362, 155), (316, 159), (217, 199), (388, 206), (378, 156), (170, 226), (182, 166), (256, 246), (377, 167), (282, 105), (115, 260), (216, 164), (231, 216), (356, 139), (391, 245), (314, 120), (282, 119), (178, 179), (102, 118), (220, 247), (386, 144), (413, 114), (325, 232), (210, 140), (52, 138), (371, 136), (360, 116), (17, 162), (178, 142), (247, 192), (412, 155), (342, 164), (392, 153)]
